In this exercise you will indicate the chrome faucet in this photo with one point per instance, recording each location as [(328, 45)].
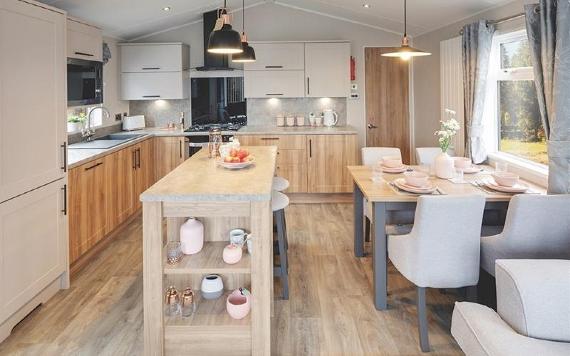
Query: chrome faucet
[(87, 133)]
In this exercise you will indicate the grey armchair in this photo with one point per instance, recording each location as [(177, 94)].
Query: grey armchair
[(533, 312)]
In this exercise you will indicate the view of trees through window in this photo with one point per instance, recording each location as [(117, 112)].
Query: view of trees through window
[(521, 130)]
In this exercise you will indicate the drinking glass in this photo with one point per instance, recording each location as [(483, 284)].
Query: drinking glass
[(459, 175), (424, 168), (377, 173), (173, 252), (501, 167)]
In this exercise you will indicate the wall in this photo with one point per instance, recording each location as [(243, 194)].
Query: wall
[(273, 22), (426, 71), (159, 113), (112, 84)]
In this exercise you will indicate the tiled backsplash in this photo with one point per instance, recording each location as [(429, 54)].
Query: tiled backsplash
[(264, 111), (158, 113)]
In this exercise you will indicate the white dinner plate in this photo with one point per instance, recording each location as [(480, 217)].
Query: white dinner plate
[(401, 183), (518, 188)]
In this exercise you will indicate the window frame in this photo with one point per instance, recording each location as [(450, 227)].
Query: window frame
[(534, 171)]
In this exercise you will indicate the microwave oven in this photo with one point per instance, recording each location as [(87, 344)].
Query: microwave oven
[(84, 82)]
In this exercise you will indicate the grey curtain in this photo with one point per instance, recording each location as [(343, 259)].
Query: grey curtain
[(476, 42), (548, 28)]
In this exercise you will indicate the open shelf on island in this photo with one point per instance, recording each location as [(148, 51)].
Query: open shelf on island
[(209, 260), (209, 312)]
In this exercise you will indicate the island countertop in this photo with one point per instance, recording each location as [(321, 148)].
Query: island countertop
[(200, 179)]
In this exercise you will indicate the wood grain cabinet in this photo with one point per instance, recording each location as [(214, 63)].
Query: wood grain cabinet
[(144, 169), (328, 157), (170, 152), (119, 177), (87, 207)]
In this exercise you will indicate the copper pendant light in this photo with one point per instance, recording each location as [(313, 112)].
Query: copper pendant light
[(406, 52), (224, 39), (248, 54)]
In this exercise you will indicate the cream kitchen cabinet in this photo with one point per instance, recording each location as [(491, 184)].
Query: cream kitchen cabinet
[(154, 57), (84, 41), (152, 86), (33, 70), (278, 56), (151, 71), (274, 84), (33, 251), (327, 69)]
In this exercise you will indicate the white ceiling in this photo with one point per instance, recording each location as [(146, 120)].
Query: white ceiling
[(129, 19)]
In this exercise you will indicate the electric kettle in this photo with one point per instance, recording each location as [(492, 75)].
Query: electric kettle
[(330, 118)]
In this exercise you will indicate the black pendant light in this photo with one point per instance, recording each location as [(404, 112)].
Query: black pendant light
[(248, 54), (405, 51), (224, 39)]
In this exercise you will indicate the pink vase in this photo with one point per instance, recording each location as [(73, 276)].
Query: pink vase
[(192, 236), (238, 305)]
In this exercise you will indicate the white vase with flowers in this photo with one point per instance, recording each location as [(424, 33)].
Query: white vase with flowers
[(443, 163)]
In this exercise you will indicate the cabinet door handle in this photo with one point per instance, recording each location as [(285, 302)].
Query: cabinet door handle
[(180, 148), (274, 67), (138, 158), (64, 147), (93, 166), (274, 94), (85, 54), (310, 148), (269, 138), (64, 210), (150, 68), (308, 86), (134, 158), (151, 96)]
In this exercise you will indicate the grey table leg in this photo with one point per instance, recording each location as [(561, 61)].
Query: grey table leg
[(379, 257), (358, 228)]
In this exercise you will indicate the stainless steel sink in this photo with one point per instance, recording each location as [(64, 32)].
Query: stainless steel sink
[(105, 142)]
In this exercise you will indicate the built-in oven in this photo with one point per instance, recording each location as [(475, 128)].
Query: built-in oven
[(196, 142), (84, 82)]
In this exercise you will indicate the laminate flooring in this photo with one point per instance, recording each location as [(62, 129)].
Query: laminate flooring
[(330, 310)]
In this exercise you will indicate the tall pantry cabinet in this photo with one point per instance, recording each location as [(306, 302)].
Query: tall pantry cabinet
[(33, 182)]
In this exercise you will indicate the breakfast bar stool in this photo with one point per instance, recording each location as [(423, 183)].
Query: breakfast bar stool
[(279, 202), (280, 183)]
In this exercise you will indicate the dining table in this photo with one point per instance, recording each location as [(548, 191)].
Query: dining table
[(384, 197)]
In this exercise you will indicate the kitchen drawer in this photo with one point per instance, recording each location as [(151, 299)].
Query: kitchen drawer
[(84, 41), (296, 174), (283, 142), (296, 157), (278, 56), (152, 86), (137, 58), (274, 84)]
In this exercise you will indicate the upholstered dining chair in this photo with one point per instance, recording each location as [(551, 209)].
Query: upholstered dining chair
[(532, 317), (536, 227), (426, 155), (400, 222), (442, 250)]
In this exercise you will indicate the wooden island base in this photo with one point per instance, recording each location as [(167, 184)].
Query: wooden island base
[(222, 200)]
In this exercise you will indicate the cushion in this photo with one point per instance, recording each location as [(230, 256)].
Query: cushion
[(533, 297), (480, 331)]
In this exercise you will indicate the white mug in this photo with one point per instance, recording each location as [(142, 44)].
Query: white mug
[(290, 120), (319, 121), (238, 236), (280, 121)]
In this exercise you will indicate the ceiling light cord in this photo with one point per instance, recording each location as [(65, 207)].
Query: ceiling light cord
[(243, 16), (405, 18)]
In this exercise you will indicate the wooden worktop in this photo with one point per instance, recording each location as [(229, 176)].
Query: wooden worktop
[(201, 179)]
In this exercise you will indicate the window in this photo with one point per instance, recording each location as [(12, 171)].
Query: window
[(520, 132)]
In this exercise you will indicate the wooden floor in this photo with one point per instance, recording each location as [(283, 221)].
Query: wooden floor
[(330, 310)]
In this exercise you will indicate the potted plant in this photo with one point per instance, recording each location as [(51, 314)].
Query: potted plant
[(75, 122), (443, 163)]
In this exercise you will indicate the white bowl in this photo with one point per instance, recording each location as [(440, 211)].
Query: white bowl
[(392, 162), (506, 179), (462, 162), (416, 179)]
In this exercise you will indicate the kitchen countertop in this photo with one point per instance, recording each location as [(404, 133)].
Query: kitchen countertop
[(77, 157), (199, 178)]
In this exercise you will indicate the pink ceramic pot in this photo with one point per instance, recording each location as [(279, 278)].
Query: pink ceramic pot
[(232, 254), (238, 305), (191, 236)]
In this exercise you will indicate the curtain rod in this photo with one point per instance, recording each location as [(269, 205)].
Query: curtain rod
[(501, 20)]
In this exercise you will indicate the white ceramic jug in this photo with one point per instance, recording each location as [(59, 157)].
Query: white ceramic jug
[(330, 118)]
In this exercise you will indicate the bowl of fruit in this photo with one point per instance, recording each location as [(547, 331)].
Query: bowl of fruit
[(237, 158)]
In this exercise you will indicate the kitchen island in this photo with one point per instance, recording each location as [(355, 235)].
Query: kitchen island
[(222, 200)]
